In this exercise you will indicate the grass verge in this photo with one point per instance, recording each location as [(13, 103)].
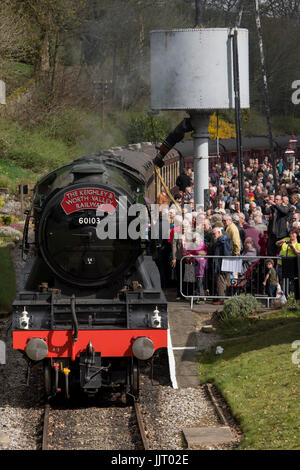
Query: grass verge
[(8, 281), (12, 175), (256, 324), (260, 382)]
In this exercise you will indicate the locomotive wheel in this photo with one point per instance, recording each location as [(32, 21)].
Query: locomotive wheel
[(47, 378), (135, 378)]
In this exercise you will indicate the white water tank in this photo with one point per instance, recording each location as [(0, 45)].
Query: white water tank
[(193, 69)]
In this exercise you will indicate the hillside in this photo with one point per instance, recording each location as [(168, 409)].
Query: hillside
[(77, 76)]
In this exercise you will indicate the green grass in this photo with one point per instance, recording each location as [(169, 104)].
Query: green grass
[(260, 383), (16, 74), (82, 129), (30, 150), (257, 324), (12, 175), (8, 282)]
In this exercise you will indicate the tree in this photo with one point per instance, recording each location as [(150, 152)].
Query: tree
[(14, 42), (45, 22)]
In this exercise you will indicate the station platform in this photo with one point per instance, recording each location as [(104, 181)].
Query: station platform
[(186, 338)]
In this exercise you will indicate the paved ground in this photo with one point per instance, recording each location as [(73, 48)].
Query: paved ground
[(187, 338)]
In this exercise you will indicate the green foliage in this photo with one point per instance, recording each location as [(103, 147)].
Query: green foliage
[(11, 176), (66, 124), (81, 130), (31, 150), (6, 219), (286, 124), (109, 39), (237, 308), (254, 124), (144, 128), (291, 303), (16, 74)]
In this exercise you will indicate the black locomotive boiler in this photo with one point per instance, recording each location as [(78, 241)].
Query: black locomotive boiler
[(91, 308)]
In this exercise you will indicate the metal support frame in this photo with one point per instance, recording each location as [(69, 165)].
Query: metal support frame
[(211, 297), (238, 120), (200, 122)]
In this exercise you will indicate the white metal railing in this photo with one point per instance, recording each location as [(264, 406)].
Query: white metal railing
[(247, 274)]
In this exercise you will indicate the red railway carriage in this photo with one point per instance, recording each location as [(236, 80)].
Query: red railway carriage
[(253, 147)]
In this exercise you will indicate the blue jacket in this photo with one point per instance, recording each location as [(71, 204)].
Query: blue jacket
[(222, 247)]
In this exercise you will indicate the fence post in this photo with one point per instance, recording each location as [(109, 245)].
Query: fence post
[(297, 293)]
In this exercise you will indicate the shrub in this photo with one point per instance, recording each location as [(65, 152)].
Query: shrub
[(31, 149), (6, 219), (238, 307), (144, 128), (291, 303), (226, 129), (65, 124)]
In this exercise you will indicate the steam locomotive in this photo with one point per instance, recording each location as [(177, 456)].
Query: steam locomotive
[(91, 307)]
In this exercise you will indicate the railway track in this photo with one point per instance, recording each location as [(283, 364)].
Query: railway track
[(94, 428), (146, 444)]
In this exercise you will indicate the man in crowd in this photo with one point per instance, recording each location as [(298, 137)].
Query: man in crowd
[(278, 223), (233, 233), (183, 181), (221, 247)]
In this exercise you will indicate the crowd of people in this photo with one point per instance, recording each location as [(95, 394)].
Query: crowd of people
[(268, 226)]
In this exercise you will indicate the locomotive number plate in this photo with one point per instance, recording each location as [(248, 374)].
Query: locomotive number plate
[(89, 198), (89, 220)]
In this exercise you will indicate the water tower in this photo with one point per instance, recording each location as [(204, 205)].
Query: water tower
[(192, 70)]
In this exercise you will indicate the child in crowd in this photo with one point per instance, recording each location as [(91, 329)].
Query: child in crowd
[(199, 250), (271, 278)]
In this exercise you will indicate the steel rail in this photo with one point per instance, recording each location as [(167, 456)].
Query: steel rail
[(139, 418), (141, 426), (45, 427), (217, 407)]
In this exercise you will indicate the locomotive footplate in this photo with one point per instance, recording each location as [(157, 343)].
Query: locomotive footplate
[(90, 369)]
